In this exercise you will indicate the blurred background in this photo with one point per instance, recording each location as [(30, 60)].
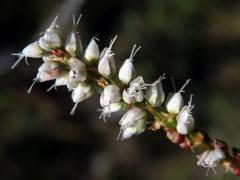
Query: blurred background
[(197, 39)]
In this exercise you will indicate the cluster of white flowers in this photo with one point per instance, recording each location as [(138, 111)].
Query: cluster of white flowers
[(84, 72), (66, 62)]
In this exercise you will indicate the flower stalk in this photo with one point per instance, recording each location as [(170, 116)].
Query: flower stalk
[(92, 71)]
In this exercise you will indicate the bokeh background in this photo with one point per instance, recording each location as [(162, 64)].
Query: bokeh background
[(197, 39)]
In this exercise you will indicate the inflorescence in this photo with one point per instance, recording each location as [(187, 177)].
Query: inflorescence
[(87, 71)]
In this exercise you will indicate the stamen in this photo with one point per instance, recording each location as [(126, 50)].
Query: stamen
[(133, 52), (30, 88), (184, 85), (161, 78), (20, 57), (54, 21), (52, 87), (74, 108), (190, 107), (112, 42)]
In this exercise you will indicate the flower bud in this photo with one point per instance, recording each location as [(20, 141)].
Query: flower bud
[(81, 92), (73, 43), (133, 122), (135, 91), (33, 50), (155, 94), (175, 102), (185, 120), (109, 101), (92, 51), (136, 128), (46, 72), (127, 71), (110, 94), (106, 66), (51, 38)]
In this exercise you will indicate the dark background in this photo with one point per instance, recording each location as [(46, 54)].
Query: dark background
[(197, 39)]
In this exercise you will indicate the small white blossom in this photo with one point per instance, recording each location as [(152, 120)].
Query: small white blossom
[(109, 100), (92, 51), (127, 71), (155, 94), (133, 122), (135, 91), (185, 120), (61, 80), (106, 65), (80, 93), (211, 159), (51, 38), (175, 102), (33, 50), (46, 72), (77, 73), (73, 43)]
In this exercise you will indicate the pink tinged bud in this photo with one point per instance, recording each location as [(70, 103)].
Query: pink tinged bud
[(46, 72), (51, 38), (211, 159), (33, 50), (175, 102), (106, 66), (78, 70), (92, 51), (135, 91), (155, 94), (80, 93), (127, 71), (133, 122)]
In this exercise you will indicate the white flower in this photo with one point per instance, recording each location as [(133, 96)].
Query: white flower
[(106, 66), (81, 92), (73, 43), (33, 50), (109, 100), (77, 73), (175, 102), (127, 71), (46, 72), (185, 120), (51, 38), (211, 158), (133, 122), (61, 80), (135, 91), (92, 51), (155, 94)]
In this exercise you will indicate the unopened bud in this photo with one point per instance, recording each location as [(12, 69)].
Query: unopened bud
[(155, 94), (175, 102), (127, 71), (33, 50), (92, 51), (80, 93)]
